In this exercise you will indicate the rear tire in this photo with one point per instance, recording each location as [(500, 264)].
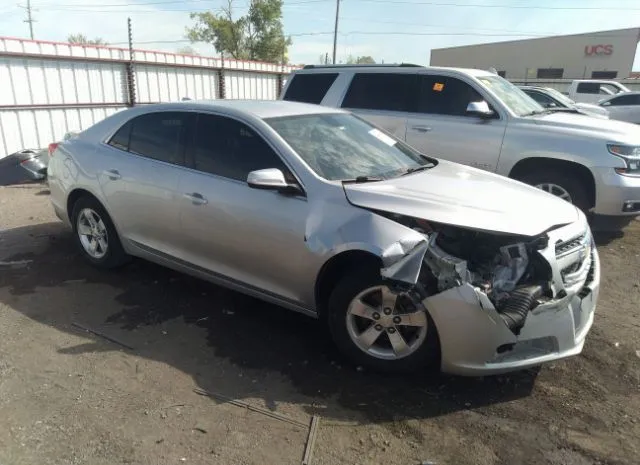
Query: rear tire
[(558, 183), (420, 342), (95, 234)]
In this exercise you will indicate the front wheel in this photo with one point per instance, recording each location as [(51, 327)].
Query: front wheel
[(380, 329), (561, 185)]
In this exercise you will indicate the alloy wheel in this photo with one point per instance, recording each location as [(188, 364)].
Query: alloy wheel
[(386, 325), (556, 190), (92, 233)]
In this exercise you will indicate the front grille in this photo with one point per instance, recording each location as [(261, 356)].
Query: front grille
[(567, 246)]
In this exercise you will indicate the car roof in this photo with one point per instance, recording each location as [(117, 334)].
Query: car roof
[(259, 108), (620, 94), (391, 68)]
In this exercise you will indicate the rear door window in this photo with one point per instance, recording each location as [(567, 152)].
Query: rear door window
[(442, 95), (159, 136), (309, 88), (381, 91)]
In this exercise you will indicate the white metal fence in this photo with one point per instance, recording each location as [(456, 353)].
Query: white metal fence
[(49, 88)]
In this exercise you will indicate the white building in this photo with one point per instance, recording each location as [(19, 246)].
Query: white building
[(602, 55)]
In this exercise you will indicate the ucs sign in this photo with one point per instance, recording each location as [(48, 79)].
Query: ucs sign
[(598, 50)]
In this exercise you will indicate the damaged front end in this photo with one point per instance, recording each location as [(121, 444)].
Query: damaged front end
[(482, 288)]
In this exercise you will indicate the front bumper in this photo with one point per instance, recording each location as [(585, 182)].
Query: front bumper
[(475, 341), (613, 191)]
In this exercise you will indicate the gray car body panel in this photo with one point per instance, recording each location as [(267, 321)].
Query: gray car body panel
[(274, 246)]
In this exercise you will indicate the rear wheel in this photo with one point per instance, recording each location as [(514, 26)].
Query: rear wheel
[(562, 185), (96, 235), (381, 329)]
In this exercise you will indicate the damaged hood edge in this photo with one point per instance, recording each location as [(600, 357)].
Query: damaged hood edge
[(462, 196)]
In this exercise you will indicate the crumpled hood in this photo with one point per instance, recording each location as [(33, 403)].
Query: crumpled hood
[(468, 197), (607, 129)]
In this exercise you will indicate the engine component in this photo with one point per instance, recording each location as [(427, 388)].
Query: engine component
[(515, 311)]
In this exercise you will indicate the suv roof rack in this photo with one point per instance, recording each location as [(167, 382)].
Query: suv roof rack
[(385, 65)]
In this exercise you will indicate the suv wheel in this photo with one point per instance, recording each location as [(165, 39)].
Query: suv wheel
[(561, 185), (95, 234), (380, 329)]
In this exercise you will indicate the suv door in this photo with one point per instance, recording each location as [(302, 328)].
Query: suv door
[(383, 99), (252, 236), (442, 128), (140, 178)]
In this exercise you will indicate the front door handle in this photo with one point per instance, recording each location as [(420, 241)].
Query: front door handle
[(196, 198), (421, 128), (112, 174)]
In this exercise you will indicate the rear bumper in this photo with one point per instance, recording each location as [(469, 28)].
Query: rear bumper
[(614, 191)]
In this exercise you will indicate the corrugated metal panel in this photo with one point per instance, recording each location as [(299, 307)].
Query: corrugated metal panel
[(36, 128), (244, 85), (29, 81), (49, 88)]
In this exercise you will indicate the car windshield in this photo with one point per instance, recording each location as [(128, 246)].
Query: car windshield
[(341, 146), (560, 96), (513, 97)]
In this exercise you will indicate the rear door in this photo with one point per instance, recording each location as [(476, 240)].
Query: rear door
[(140, 179), (382, 98), (441, 127)]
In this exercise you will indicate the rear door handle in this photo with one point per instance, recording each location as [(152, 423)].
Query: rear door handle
[(112, 174), (196, 198), (421, 128)]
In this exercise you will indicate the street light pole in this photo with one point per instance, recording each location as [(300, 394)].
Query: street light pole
[(335, 31)]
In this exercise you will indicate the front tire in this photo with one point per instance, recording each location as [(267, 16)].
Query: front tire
[(562, 185), (95, 234), (379, 329)]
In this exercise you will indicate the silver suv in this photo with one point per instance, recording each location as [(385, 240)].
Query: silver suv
[(410, 260), (477, 118)]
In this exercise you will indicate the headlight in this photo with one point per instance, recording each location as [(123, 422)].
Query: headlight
[(631, 156)]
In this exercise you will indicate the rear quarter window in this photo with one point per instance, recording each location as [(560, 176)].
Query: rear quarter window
[(309, 88)]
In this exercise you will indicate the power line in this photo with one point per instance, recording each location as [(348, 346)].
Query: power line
[(521, 7)]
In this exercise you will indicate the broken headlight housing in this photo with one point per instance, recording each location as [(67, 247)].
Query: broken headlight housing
[(631, 156)]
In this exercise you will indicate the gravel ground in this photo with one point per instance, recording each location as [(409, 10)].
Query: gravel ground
[(70, 397)]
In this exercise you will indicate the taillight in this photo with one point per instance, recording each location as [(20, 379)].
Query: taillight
[(52, 148)]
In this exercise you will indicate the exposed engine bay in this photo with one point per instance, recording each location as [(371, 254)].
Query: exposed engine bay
[(506, 268)]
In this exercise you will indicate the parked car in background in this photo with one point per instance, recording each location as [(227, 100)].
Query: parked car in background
[(593, 90), (321, 212), (24, 166), (553, 99), (623, 107), (477, 118)]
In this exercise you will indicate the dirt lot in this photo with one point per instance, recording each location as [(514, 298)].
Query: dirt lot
[(70, 397)]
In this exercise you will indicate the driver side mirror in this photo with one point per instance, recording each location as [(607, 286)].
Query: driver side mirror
[(272, 179), (480, 109)]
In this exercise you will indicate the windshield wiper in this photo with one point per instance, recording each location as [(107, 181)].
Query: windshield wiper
[(537, 112), (417, 168), (361, 179)]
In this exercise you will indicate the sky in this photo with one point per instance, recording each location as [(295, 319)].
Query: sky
[(392, 31)]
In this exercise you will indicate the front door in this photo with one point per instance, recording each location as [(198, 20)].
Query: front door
[(440, 127), (255, 237)]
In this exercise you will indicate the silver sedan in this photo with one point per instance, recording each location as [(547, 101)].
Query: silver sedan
[(411, 261)]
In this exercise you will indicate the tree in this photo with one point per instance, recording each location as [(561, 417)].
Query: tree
[(256, 36), (186, 50), (363, 60), (81, 39)]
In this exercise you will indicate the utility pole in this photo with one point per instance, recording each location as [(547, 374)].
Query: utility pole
[(29, 19), (335, 31)]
